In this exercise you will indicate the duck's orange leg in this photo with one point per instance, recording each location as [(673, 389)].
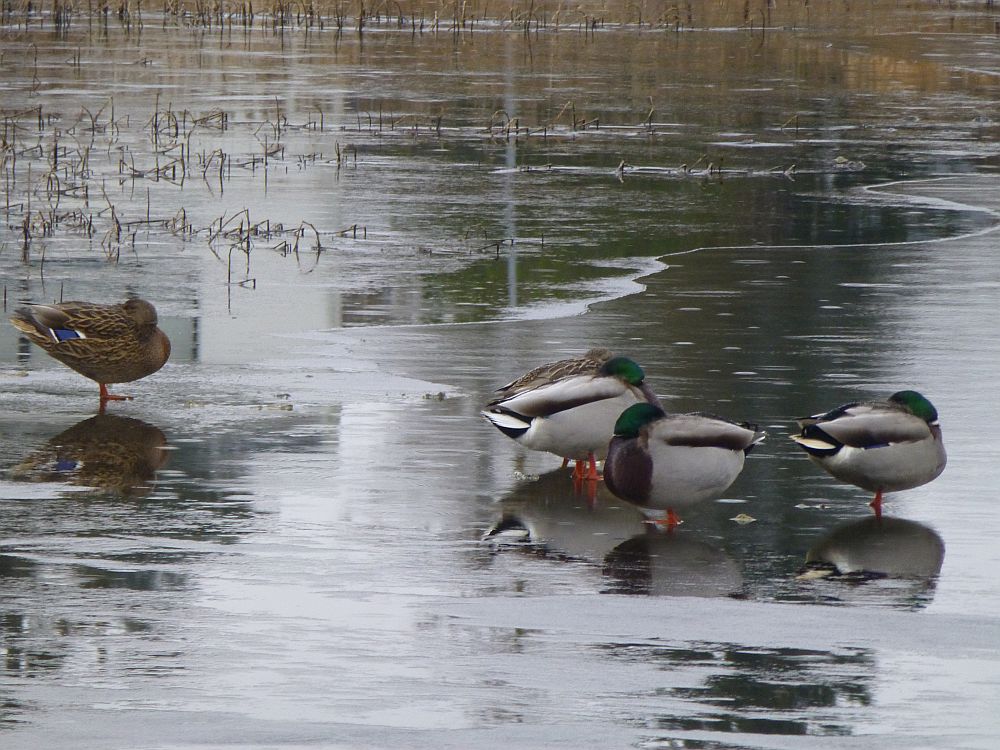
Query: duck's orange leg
[(105, 396), (670, 522), (592, 474), (876, 505)]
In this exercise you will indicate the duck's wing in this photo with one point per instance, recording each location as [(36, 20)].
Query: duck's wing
[(855, 407), (551, 372), (863, 426), (70, 321), (565, 393), (699, 430)]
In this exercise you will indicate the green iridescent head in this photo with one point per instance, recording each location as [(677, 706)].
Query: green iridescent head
[(916, 404), (625, 369), (633, 419)]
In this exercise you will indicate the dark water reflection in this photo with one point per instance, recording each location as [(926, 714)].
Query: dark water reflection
[(887, 547), (662, 564), (887, 560), (784, 691), (770, 684), (120, 455), (562, 519)]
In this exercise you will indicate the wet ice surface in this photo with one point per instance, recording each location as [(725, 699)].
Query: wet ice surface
[(310, 563), (317, 576)]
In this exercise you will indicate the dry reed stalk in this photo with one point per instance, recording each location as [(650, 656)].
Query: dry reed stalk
[(456, 16)]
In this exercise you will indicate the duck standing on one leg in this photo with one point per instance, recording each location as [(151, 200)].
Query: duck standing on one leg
[(664, 462), (880, 446), (106, 343), (569, 407)]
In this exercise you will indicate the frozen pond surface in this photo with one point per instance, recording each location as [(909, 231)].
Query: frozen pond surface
[(303, 535)]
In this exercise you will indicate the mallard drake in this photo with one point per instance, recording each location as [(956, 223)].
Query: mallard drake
[(106, 343), (879, 446), (662, 462), (569, 407)]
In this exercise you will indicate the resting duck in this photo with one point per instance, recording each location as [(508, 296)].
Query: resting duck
[(879, 446), (106, 343), (663, 462), (569, 407)]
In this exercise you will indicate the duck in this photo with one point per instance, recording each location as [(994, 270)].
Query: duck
[(663, 462), (569, 407), (109, 344), (879, 446)]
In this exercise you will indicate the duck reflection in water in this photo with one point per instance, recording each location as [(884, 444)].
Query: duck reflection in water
[(658, 563), (873, 548), (877, 549), (113, 454), (558, 519), (564, 518)]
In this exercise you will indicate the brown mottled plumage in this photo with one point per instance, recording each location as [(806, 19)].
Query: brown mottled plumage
[(588, 364), (106, 343)]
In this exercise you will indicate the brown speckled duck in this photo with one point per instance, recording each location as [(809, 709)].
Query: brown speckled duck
[(106, 343)]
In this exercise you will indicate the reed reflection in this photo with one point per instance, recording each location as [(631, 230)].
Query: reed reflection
[(119, 455)]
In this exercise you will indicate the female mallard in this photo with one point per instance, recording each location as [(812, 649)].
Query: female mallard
[(662, 462), (106, 343), (569, 408), (880, 446)]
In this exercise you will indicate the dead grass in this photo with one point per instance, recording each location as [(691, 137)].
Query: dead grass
[(435, 16)]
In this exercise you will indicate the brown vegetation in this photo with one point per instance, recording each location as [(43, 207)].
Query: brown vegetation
[(421, 16)]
